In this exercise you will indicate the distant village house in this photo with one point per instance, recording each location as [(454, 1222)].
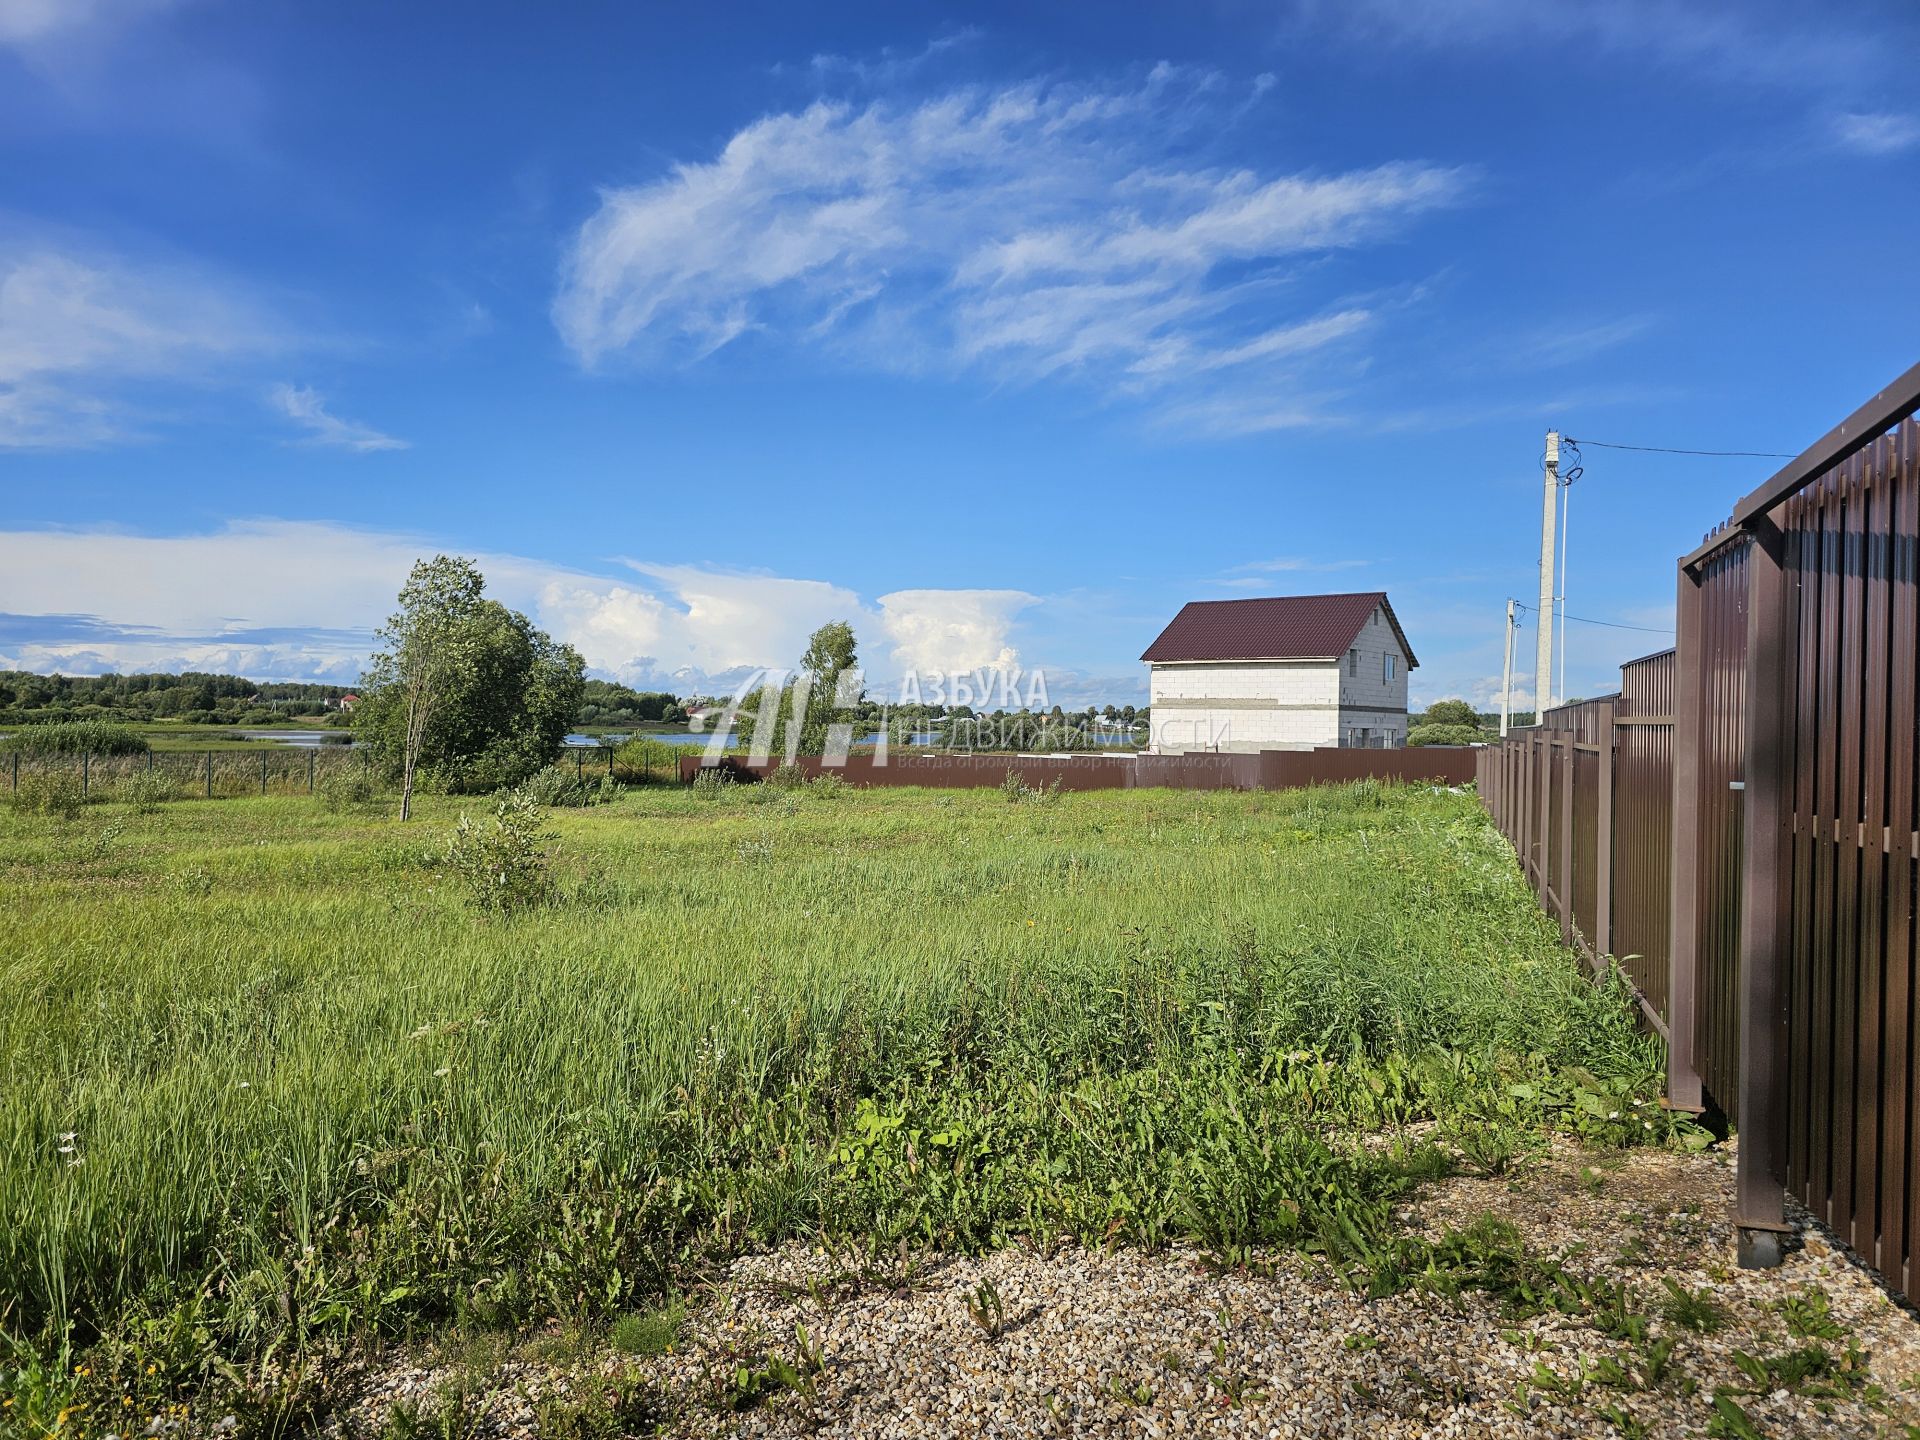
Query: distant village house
[(1293, 672)]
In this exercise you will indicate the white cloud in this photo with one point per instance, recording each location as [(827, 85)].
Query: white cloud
[(1022, 232), (1290, 563), (304, 406), (28, 22), (953, 631), (1739, 42), (76, 330), (279, 598), (1879, 133)]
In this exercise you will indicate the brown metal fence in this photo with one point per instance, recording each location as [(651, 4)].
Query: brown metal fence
[(1268, 770), (1741, 827)]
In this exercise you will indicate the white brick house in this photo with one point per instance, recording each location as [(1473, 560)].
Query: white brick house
[(1293, 672)]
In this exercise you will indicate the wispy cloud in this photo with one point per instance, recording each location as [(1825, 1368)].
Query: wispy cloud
[(1019, 233), (30, 22), (1720, 39), (76, 330), (1877, 133), (1569, 344), (891, 65), (1295, 564), (304, 406)]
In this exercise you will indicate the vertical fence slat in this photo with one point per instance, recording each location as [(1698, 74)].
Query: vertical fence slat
[(1806, 521), (1825, 809), (1563, 875), (1765, 891), (1684, 1089), (1896, 1081), (1603, 840), (1873, 850), (1846, 1023)]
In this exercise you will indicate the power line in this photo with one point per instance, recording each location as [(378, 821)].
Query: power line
[(1669, 450), (1610, 624)]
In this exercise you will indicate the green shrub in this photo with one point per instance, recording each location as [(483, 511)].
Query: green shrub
[(147, 791), (713, 784), (504, 864), (787, 776), (828, 786), (79, 737), (1015, 790), (347, 787), (53, 793), (1444, 735), (1451, 712), (561, 785)]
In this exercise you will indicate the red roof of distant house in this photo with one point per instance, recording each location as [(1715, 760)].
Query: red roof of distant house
[(1280, 627)]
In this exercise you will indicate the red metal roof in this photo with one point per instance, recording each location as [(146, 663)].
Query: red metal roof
[(1279, 627)]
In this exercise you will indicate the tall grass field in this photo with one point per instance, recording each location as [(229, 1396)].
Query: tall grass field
[(273, 1089)]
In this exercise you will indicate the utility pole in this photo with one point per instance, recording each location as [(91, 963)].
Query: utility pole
[(1506, 676), (1543, 653)]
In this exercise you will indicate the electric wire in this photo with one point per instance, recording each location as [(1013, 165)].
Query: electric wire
[(1670, 450), (1521, 609)]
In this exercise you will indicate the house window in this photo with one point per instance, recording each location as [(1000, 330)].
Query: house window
[(1387, 672), (1353, 662)]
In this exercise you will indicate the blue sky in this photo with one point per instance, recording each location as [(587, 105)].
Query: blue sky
[(1002, 330)]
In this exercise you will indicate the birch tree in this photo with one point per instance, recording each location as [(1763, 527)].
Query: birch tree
[(425, 649)]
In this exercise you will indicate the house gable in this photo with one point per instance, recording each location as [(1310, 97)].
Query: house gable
[(1284, 627)]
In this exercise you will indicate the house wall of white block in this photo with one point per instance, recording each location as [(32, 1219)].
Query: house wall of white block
[(1243, 706)]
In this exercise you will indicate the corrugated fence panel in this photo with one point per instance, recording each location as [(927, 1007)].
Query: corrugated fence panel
[(1722, 675), (1852, 539), (1269, 770), (1848, 510), (1586, 858), (1643, 825)]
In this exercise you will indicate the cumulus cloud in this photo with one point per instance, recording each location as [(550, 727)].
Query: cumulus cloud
[(304, 406), (290, 599), (1029, 231), (76, 330), (953, 631)]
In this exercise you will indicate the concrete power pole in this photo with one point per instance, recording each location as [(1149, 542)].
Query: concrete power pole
[(1543, 653), (1506, 676)]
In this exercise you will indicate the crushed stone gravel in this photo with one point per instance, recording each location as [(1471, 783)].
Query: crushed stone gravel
[(1128, 1343)]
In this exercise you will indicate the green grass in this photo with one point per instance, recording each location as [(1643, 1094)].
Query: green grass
[(315, 1099)]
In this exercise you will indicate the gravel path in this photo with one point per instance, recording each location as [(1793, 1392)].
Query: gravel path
[(1131, 1344)]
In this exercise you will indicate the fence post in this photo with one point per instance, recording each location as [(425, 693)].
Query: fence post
[(1603, 841), (1523, 800), (209, 774), (312, 756), (86, 772), (263, 772), (1563, 880), (579, 764), (1683, 944), (16, 770), (1542, 870), (1766, 900)]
